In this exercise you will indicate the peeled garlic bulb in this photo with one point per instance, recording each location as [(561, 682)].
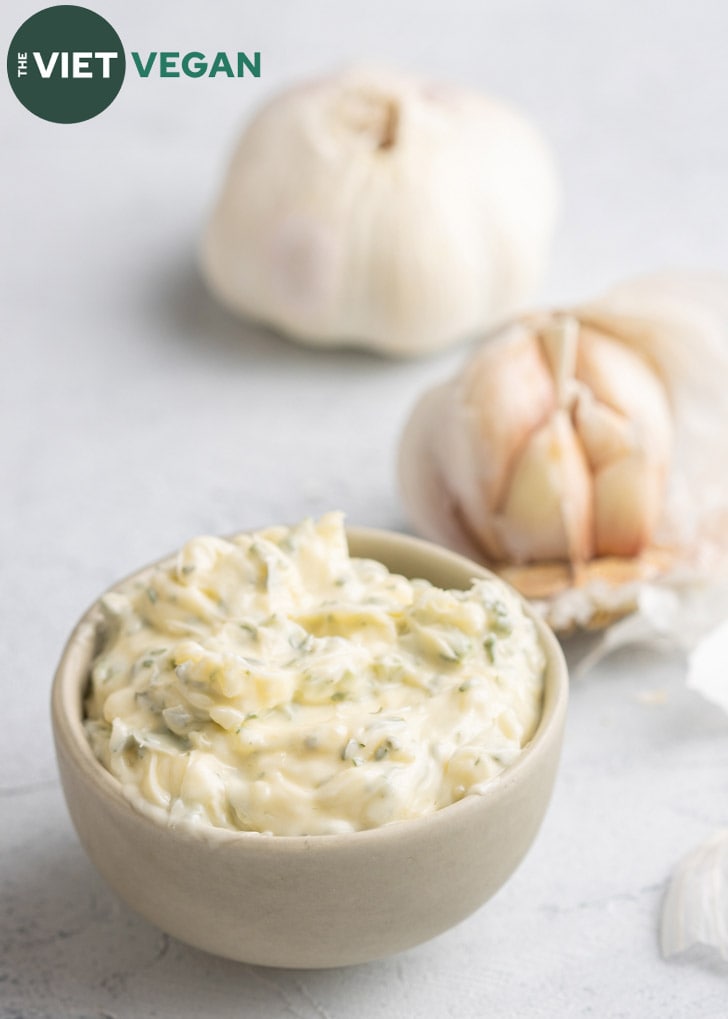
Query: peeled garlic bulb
[(374, 209), (587, 447), (554, 444)]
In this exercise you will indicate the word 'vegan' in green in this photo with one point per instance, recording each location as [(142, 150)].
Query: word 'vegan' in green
[(196, 65)]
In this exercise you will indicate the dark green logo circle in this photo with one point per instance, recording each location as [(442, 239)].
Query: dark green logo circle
[(66, 64)]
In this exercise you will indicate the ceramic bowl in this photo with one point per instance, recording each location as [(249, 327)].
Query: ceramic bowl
[(312, 901)]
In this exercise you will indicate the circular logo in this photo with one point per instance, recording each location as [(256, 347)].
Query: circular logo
[(66, 64)]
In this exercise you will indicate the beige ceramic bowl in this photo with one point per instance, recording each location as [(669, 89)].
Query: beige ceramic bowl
[(317, 901)]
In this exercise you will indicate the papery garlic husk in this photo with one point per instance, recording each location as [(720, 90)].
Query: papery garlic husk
[(583, 453), (695, 908), (374, 209), (708, 663)]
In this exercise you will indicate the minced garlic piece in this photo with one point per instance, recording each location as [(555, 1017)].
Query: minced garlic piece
[(271, 683)]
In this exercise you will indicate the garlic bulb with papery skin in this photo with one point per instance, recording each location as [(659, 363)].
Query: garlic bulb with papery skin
[(373, 209), (553, 444), (581, 454)]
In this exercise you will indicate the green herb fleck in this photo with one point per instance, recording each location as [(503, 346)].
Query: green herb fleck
[(152, 595), (383, 749), (501, 619)]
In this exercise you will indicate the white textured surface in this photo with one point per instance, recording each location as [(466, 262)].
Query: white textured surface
[(134, 413)]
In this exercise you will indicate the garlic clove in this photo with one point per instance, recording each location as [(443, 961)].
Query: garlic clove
[(496, 401), (627, 503), (621, 379), (605, 434), (678, 321), (547, 513), (503, 395)]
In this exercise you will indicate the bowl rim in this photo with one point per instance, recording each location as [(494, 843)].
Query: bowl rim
[(69, 682)]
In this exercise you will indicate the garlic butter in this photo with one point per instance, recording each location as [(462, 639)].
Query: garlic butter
[(271, 683)]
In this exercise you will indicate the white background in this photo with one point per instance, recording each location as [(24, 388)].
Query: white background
[(135, 413)]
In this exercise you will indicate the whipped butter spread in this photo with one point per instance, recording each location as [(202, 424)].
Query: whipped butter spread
[(271, 683)]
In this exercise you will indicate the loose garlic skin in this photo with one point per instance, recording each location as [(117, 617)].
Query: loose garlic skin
[(553, 444), (373, 209)]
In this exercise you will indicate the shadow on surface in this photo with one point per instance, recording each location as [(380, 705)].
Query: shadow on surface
[(176, 297), (71, 948)]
